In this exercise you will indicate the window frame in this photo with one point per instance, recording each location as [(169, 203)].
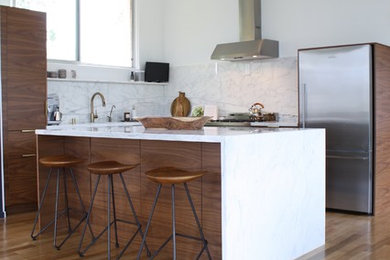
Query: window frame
[(77, 61)]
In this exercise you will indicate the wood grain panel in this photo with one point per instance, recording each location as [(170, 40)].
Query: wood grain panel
[(211, 198), (20, 183), (152, 154), (382, 128), (185, 155), (23, 75), (18, 144), (4, 66), (25, 57)]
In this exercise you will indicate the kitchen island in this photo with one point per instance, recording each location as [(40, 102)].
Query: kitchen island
[(263, 198)]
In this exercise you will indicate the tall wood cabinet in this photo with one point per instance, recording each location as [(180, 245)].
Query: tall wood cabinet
[(23, 86)]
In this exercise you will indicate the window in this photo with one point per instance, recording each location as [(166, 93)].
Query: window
[(88, 31)]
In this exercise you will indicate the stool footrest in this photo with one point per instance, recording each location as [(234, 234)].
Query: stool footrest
[(94, 239), (180, 235), (72, 231), (61, 213), (126, 221)]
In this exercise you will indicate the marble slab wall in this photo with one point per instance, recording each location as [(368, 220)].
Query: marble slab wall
[(75, 99), (232, 86), (235, 86)]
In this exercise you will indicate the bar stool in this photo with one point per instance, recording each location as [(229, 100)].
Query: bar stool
[(173, 176), (110, 168), (64, 162)]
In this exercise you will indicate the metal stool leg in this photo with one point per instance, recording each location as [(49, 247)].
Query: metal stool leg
[(67, 209), (80, 200), (66, 200), (81, 253), (173, 222), (149, 221), (205, 246), (56, 210), (108, 217), (34, 237), (113, 208), (136, 221)]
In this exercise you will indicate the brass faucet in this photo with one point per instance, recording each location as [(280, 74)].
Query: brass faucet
[(94, 115)]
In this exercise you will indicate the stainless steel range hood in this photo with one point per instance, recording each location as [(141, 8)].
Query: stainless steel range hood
[(251, 46)]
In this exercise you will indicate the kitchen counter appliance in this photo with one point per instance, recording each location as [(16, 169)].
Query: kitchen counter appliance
[(54, 115), (242, 119), (336, 92)]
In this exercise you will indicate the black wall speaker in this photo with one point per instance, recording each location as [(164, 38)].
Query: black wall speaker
[(156, 72)]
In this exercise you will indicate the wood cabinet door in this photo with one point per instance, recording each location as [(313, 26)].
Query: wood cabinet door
[(21, 184), (19, 144), (24, 68), (20, 171)]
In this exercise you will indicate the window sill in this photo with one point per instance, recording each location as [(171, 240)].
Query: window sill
[(108, 81)]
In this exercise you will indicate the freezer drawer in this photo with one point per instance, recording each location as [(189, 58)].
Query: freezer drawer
[(349, 184)]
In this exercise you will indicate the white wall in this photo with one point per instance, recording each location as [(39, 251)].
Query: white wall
[(307, 23), (193, 27), (149, 20), (5, 2)]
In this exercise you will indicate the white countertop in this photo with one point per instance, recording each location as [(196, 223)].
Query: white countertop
[(133, 130), (272, 183)]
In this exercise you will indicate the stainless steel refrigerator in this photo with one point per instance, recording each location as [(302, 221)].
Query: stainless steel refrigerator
[(336, 93)]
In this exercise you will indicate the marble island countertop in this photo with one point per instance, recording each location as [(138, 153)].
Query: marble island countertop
[(272, 180), (133, 130)]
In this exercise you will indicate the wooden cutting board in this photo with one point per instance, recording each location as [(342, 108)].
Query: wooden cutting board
[(181, 106)]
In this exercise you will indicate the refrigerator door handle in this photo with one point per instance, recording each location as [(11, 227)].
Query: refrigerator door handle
[(347, 157), (303, 105)]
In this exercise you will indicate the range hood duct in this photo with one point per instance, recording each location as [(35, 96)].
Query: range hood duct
[(250, 46)]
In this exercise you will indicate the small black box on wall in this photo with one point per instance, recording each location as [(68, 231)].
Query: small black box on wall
[(156, 72)]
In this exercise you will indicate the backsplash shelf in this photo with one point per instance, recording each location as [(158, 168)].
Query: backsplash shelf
[(108, 81)]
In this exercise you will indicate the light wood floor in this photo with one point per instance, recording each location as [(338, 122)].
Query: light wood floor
[(354, 237), (347, 237)]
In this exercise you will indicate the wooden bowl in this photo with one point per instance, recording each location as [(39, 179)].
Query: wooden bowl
[(174, 123)]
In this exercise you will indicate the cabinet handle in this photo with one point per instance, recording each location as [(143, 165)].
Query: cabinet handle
[(28, 131), (28, 155)]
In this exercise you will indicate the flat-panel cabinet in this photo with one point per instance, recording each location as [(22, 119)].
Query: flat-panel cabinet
[(23, 85)]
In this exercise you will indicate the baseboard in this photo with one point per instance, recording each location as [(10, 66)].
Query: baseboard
[(21, 208)]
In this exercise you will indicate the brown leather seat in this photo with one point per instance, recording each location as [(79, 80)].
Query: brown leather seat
[(59, 161), (172, 175), (110, 167)]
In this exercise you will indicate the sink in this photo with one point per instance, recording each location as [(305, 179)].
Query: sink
[(94, 125)]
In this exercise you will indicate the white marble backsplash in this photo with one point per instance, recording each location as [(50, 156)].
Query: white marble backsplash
[(232, 86), (235, 86), (75, 99)]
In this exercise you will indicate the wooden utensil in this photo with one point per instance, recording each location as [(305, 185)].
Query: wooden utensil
[(181, 106)]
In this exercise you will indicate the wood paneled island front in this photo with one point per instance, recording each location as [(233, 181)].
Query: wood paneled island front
[(263, 196)]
